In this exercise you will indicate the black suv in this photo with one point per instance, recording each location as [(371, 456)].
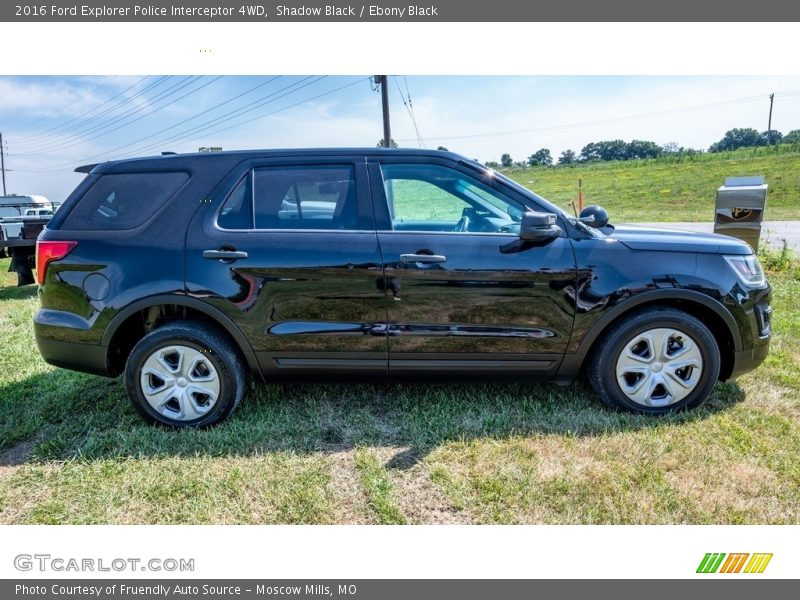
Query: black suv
[(185, 272)]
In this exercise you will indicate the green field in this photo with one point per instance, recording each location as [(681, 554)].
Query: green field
[(72, 450), (670, 188)]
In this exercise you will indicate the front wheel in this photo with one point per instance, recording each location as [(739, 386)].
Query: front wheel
[(659, 360), (184, 374)]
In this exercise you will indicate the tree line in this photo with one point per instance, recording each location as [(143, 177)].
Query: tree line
[(608, 150)]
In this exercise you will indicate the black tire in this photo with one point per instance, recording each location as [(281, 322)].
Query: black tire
[(602, 367), (21, 264), (214, 345)]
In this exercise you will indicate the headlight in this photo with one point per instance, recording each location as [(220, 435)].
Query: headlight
[(747, 268)]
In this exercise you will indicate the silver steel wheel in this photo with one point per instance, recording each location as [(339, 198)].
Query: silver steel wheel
[(659, 367), (180, 383)]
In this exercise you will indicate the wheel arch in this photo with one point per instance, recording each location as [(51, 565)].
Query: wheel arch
[(713, 314), (129, 320)]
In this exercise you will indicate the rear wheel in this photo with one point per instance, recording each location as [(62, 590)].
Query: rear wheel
[(185, 374), (657, 361)]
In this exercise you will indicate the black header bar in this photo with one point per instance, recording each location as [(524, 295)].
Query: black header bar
[(403, 10), (377, 589)]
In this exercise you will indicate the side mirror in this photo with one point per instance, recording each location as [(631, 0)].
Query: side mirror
[(538, 227), (594, 216)]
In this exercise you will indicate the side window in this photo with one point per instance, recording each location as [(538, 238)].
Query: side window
[(435, 198), (312, 197), (308, 197), (123, 200), (237, 212)]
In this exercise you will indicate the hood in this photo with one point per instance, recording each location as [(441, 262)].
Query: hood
[(673, 240)]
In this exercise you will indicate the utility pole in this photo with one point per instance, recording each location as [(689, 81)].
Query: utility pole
[(3, 162), (769, 124), (383, 81)]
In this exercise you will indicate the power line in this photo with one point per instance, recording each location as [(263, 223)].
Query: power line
[(79, 138), (212, 123), (268, 99), (258, 102), (409, 110), (179, 123), (81, 98), (130, 122), (258, 117), (59, 130), (614, 121), (413, 114), (312, 98), (72, 132)]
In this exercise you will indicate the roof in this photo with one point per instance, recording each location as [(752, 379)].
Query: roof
[(271, 153), (24, 199)]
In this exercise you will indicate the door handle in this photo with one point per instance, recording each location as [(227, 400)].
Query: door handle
[(224, 254), (422, 258)]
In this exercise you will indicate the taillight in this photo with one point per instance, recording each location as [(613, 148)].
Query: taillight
[(47, 251)]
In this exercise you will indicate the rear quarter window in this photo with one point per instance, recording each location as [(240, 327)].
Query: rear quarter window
[(123, 200)]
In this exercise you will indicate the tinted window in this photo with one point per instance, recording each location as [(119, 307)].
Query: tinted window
[(318, 197), (436, 198), (124, 200), (237, 212)]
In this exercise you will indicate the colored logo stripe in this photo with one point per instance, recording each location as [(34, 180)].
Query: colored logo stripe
[(758, 563), (734, 563), (712, 562)]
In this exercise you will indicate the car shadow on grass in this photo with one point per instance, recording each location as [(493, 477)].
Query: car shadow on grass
[(18, 293), (61, 415)]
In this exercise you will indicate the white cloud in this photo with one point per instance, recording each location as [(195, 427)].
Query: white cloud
[(562, 112)]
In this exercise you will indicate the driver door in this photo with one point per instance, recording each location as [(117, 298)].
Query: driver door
[(463, 292)]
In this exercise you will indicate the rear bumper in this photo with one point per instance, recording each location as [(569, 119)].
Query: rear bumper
[(77, 357)]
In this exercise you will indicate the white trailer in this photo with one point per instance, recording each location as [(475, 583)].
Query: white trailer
[(21, 220)]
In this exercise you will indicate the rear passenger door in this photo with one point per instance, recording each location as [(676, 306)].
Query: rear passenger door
[(288, 250)]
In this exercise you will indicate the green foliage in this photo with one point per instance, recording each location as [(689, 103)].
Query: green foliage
[(672, 148), (772, 136), (642, 149), (782, 260), (673, 187), (506, 160), (738, 138), (72, 449), (567, 157), (750, 138), (540, 157), (619, 150), (793, 137), (378, 488)]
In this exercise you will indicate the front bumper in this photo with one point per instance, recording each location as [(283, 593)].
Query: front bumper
[(747, 360)]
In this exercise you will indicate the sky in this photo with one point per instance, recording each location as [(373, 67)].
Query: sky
[(50, 125)]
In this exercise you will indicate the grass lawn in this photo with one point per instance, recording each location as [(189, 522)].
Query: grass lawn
[(72, 450), (668, 189)]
